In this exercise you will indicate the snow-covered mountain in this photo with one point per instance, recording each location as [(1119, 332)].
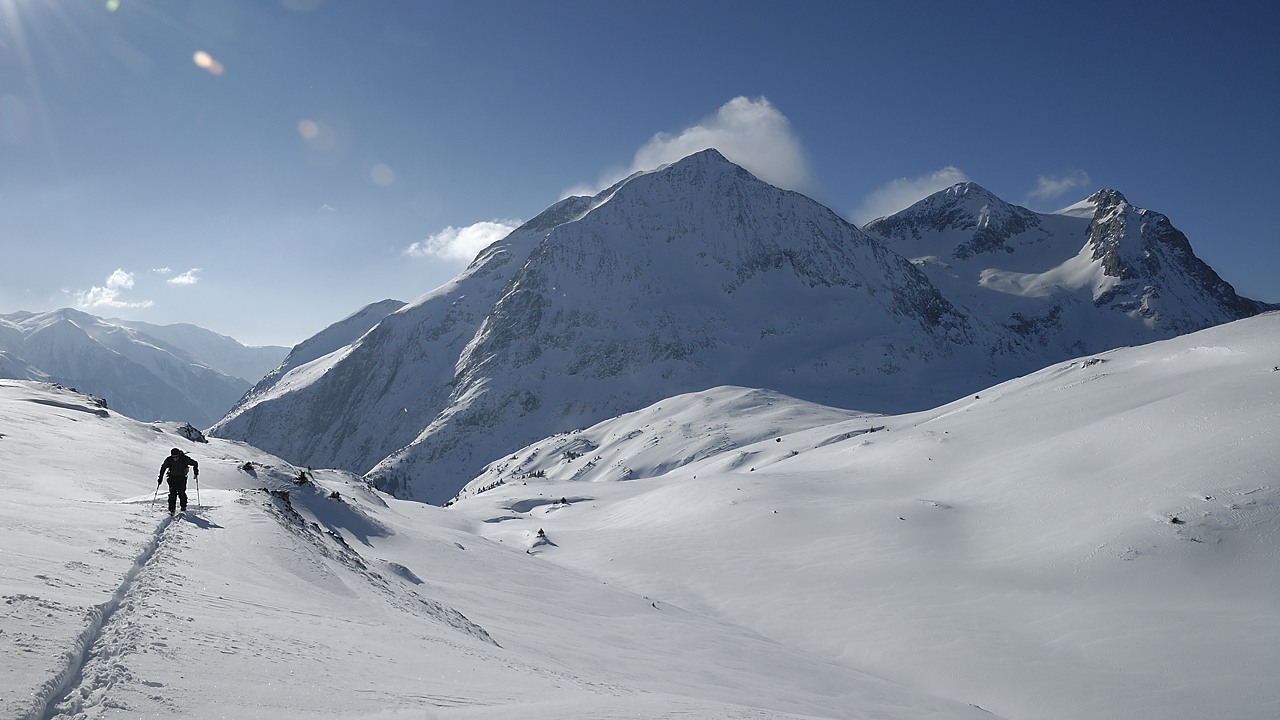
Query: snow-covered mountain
[(220, 352), (1099, 539), (335, 337), (149, 372), (1097, 274), (691, 276)]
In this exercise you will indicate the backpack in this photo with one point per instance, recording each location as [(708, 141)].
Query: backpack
[(178, 468)]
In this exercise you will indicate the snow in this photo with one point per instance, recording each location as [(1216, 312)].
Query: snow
[(1084, 209), (1078, 272), (700, 275), (1097, 539), (176, 372)]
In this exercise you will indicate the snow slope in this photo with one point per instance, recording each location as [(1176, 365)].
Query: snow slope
[(1097, 539), (356, 607), (698, 275)]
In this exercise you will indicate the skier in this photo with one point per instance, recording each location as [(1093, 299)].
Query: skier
[(177, 464)]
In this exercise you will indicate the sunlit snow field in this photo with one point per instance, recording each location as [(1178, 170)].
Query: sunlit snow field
[(1095, 540)]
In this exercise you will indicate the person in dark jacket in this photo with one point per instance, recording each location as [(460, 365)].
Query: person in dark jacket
[(177, 464)]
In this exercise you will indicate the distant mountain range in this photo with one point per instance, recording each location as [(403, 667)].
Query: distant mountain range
[(148, 372), (699, 275)]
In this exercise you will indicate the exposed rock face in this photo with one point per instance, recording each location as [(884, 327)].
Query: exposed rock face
[(1151, 259), (1099, 274), (986, 222)]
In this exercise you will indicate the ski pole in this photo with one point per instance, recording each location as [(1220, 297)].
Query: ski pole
[(155, 495), (197, 489)]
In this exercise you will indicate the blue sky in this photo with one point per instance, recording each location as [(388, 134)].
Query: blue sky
[(264, 168)]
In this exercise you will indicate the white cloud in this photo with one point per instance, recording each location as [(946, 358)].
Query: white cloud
[(162, 270), (902, 193), (109, 294), (749, 132), (190, 277), (462, 243), (1050, 188)]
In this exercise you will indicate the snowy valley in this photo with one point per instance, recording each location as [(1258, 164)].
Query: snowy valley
[(1094, 539)]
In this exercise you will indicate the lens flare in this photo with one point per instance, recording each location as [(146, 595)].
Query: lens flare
[(326, 142), (382, 175), (318, 136), (205, 61)]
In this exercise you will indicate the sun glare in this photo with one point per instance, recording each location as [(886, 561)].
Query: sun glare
[(205, 61), (18, 116)]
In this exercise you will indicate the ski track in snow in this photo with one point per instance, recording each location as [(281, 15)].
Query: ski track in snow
[(97, 678), (67, 693)]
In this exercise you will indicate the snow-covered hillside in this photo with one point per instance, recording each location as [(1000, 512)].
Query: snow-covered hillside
[(1098, 274), (698, 275), (1097, 539), (150, 372), (332, 339), (278, 600)]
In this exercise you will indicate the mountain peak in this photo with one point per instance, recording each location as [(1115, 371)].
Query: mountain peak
[(692, 275), (1108, 198), (1143, 256), (970, 190), (986, 221), (697, 167), (709, 156), (575, 207)]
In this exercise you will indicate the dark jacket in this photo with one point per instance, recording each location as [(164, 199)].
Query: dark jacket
[(177, 466)]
